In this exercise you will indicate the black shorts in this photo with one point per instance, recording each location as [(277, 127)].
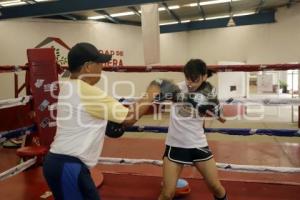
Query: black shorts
[(187, 156), (69, 178)]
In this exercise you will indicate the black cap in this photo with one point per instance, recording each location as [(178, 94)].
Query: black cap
[(85, 52)]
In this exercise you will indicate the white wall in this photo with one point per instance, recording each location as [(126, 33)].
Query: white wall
[(174, 48), (17, 36), (7, 89), (267, 43), (232, 84)]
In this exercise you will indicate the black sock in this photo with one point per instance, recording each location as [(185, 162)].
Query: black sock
[(223, 198)]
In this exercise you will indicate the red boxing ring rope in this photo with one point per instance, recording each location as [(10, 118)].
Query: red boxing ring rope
[(178, 68)]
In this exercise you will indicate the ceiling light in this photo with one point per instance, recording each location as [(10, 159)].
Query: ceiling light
[(218, 17), (193, 4), (31, 2), (168, 23), (186, 21), (42, 0), (122, 14), (205, 3), (174, 7), (210, 2), (97, 17), (170, 7), (12, 3), (5, 2), (163, 8), (244, 14)]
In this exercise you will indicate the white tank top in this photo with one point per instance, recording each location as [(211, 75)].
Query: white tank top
[(185, 128)]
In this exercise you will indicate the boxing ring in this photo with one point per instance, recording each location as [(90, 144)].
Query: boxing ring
[(129, 167), (142, 181)]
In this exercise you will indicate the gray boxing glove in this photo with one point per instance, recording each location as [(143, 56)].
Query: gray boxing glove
[(168, 90), (203, 99)]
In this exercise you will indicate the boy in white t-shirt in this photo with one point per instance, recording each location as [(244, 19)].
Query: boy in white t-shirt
[(84, 113), (186, 142)]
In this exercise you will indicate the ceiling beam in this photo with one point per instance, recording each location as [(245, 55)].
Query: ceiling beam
[(261, 3), (69, 17), (30, 1), (263, 17), (124, 22), (107, 16), (230, 7), (171, 13), (79, 17), (65, 7), (201, 10), (66, 17), (290, 3), (133, 9)]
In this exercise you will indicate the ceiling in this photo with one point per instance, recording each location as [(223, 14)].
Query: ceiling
[(175, 15)]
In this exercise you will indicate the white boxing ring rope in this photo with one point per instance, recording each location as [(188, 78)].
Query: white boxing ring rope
[(8, 103), (222, 166), (18, 169), (239, 101), (266, 101)]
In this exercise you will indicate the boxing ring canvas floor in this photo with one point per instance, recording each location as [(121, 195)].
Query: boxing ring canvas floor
[(8, 158), (30, 185), (143, 181)]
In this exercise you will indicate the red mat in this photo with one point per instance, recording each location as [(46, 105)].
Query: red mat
[(136, 187), (142, 182), (31, 185)]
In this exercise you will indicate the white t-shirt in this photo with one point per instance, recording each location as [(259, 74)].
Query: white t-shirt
[(186, 126), (82, 114)]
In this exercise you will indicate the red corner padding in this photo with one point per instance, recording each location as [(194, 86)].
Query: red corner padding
[(44, 89), (32, 151), (15, 117)]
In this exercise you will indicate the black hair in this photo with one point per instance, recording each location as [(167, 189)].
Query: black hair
[(195, 68), (210, 73)]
